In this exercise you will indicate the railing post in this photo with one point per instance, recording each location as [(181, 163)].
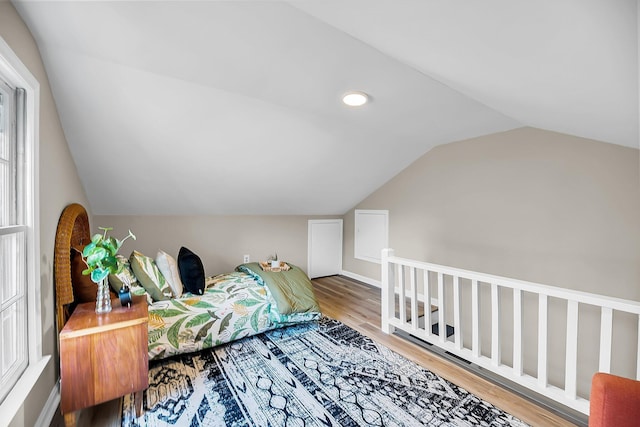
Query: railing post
[(388, 291)]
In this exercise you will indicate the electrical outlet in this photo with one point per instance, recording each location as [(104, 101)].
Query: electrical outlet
[(245, 259)]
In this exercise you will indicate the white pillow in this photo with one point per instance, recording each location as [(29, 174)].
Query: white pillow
[(169, 269)]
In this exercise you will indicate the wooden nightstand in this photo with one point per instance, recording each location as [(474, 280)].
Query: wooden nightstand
[(103, 356)]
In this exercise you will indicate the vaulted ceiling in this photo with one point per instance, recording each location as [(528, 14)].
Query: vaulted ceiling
[(234, 107)]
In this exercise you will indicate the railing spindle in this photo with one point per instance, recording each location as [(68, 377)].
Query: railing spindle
[(495, 325), (427, 302), (415, 318), (571, 365), (542, 340), (402, 295), (475, 318), (442, 327), (606, 330), (517, 332), (457, 323)]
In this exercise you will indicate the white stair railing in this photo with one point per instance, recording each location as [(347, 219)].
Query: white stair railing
[(402, 280)]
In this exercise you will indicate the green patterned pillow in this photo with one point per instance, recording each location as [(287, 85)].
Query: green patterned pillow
[(150, 277), (125, 276)]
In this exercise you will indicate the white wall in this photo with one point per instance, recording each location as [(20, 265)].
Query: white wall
[(528, 203)]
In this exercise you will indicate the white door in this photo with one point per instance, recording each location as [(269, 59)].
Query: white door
[(325, 247)]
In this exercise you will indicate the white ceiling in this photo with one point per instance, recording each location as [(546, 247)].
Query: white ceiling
[(233, 107)]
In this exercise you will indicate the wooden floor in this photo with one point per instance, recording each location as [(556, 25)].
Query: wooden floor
[(358, 306)]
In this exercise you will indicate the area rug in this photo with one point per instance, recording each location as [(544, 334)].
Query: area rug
[(316, 374)]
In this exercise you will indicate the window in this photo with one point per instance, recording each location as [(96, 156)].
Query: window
[(21, 361), (13, 301)]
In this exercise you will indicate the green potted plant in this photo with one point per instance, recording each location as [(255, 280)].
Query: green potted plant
[(100, 257)]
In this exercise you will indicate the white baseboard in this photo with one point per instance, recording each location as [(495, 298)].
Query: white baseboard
[(367, 280), (50, 407)]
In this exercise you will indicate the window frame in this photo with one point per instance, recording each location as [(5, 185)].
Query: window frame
[(18, 75)]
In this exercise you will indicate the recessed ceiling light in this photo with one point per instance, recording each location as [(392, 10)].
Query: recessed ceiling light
[(355, 99)]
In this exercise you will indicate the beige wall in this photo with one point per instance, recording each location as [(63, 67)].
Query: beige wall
[(59, 186), (528, 204), (220, 241)]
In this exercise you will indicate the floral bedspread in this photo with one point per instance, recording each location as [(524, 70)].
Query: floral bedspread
[(233, 306)]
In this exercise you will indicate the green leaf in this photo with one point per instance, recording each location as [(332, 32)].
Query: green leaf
[(225, 323), (155, 335), (255, 317), (88, 249), (249, 302), (86, 272), (234, 336), (168, 312), (98, 275), (96, 255), (179, 306), (208, 342), (97, 238), (241, 322), (110, 262), (198, 320), (111, 245), (203, 331), (172, 333)]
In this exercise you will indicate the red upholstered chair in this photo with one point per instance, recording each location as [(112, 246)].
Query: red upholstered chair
[(614, 401)]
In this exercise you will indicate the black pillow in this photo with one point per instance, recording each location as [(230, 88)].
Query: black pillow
[(191, 271)]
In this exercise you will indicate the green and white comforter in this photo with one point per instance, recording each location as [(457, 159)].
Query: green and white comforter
[(233, 306)]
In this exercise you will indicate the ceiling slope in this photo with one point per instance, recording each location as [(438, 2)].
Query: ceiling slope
[(570, 66), (234, 107)]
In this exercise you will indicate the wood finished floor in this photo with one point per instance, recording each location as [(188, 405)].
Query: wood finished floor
[(358, 306)]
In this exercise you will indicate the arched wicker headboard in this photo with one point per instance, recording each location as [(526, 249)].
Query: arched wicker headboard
[(73, 231)]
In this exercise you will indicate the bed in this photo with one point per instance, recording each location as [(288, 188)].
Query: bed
[(233, 305)]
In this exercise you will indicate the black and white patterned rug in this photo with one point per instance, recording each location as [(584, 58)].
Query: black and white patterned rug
[(316, 374)]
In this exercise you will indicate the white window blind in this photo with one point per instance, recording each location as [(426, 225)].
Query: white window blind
[(14, 355)]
